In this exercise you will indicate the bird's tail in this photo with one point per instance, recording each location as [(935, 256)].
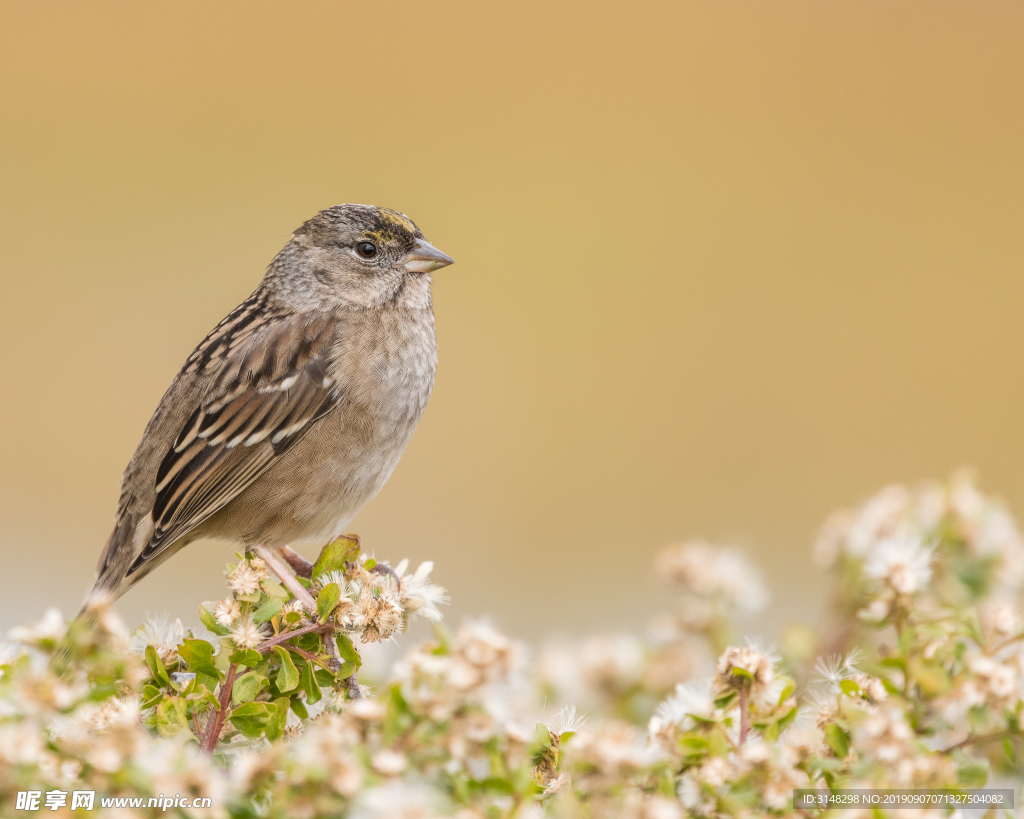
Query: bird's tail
[(84, 633)]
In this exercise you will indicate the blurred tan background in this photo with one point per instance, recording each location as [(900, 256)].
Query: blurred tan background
[(722, 267)]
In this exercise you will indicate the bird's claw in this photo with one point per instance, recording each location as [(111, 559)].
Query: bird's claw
[(380, 568)]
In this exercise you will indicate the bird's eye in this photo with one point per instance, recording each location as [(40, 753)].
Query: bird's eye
[(366, 249)]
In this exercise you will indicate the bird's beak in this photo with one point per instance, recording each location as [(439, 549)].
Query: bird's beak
[(425, 258)]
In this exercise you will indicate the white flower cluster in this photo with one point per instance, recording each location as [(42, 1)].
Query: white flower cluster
[(899, 525), (466, 726), (711, 576)]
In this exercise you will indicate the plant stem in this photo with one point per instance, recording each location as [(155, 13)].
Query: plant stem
[(309, 656), (264, 647), (1009, 641), (981, 739), (744, 725), (216, 722)]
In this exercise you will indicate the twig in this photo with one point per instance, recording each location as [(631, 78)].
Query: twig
[(353, 687), (216, 722), (744, 725), (980, 739), (309, 655), (265, 646), (1009, 641)]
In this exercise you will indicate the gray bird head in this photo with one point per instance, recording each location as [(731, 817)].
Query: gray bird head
[(356, 256)]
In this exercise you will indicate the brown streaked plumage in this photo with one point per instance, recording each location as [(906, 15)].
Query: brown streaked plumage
[(293, 412)]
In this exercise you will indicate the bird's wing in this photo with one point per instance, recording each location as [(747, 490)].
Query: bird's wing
[(270, 389)]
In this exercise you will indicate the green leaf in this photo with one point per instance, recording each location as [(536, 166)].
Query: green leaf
[(1010, 753), (327, 601), (718, 743), (292, 617), (497, 785), (932, 677), (288, 676), (203, 694), (265, 612), (973, 774), (207, 680), (247, 687), (347, 650), (275, 725), (742, 672), (690, 745), (248, 657), (299, 707), (787, 692), (211, 623), (251, 718), (151, 695), (837, 740), (156, 666), (335, 555), (199, 656), (850, 688), (222, 659), (249, 598), (171, 717), (348, 668), (309, 684), (274, 589), (370, 564)]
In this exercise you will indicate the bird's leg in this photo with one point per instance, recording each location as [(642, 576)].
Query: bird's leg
[(278, 567), (380, 568), (299, 564)]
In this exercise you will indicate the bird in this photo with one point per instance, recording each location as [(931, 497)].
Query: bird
[(295, 409)]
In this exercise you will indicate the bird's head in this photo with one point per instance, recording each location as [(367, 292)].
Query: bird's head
[(359, 255)]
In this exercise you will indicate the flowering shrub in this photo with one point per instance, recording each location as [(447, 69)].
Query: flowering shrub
[(917, 681)]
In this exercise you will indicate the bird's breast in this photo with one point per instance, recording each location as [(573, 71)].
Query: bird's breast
[(384, 364)]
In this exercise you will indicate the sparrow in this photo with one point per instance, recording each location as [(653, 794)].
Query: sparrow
[(295, 410)]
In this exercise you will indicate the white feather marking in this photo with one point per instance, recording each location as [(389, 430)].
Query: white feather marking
[(284, 433), (256, 437), (142, 534)]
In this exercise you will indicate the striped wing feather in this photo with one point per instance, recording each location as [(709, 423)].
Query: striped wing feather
[(269, 393)]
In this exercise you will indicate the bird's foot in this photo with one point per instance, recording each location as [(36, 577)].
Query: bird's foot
[(290, 582), (299, 564), (380, 568)]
